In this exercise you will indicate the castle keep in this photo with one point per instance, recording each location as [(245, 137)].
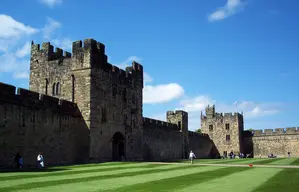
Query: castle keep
[(79, 108)]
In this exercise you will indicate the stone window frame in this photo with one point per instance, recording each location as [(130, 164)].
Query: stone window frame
[(73, 87), (54, 89), (227, 138), (211, 127), (58, 89), (227, 126), (46, 88), (104, 115)]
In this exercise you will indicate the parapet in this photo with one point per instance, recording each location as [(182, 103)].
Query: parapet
[(128, 76), (99, 60), (277, 131), (32, 99), (160, 124), (231, 115), (47, 51), (177, 112), (192, 133)]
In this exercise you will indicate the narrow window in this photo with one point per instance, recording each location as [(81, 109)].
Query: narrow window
[(210, 127), (114, 91), (179, 124), (73, 88), (58, 88), (54, 89), (227, 137), (47, 83), (133, 98), (125, 95), (104, 115), (227, 126)]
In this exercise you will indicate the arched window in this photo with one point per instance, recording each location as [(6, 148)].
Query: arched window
[(54, 89), (47, 83), (73, 88), (58, 88)]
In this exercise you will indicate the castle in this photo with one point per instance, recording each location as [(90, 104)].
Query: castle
[(227, 132), (82, 109)]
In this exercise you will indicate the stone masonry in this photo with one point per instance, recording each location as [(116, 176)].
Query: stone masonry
[(105, 100), (81, 109), (225, 130)]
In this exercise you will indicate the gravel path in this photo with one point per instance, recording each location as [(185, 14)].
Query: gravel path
[(233, 165)]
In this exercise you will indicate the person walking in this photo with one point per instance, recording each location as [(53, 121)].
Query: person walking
[(191, 156), (40, 160)]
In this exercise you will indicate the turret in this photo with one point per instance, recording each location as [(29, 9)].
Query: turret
[(180, 118)]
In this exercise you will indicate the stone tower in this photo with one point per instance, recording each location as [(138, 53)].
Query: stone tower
[(109, 98), (225, 130), (180, 118)]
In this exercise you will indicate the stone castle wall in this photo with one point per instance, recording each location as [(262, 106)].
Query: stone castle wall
[(31, 123), (165, 141), (162, 140), (278, 142), (200, 144)]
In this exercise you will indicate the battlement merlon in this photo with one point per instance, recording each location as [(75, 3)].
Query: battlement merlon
[(177, 112), (160, 124), (47, 51), (29, 98), (277, 131)]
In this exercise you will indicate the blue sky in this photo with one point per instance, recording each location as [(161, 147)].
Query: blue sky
[(194, 53)]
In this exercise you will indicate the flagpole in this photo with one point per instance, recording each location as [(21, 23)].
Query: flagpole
[(236, 108)]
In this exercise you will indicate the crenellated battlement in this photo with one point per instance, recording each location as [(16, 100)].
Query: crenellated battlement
[(277, 131), (134, 72), (47, 51), (222, 116), (179, 112), (192, 133), (28, 98), (159, 124)]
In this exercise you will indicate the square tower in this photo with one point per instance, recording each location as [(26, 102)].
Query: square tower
[(224, 129), (180, 118)]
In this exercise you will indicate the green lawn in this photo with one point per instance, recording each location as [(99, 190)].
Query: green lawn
[(158, 177)]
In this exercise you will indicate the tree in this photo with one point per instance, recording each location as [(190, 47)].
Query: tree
[(198, 130)]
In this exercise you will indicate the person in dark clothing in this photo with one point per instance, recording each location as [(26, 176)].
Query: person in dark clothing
[(17, 160)]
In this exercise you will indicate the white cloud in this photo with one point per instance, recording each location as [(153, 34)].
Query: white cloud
[(251, 110), (196, 104), (21, 75), (50, 3), (10, 28), (232, 7), (50, 27), (128, 62), (65, 43), (11, 64), (147, 78), (161, 93), (24, 51)]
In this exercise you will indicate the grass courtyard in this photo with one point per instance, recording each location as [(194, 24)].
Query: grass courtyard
[(182, 176)]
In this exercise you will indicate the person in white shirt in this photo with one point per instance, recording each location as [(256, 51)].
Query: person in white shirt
[(191, 156), (40, 160)]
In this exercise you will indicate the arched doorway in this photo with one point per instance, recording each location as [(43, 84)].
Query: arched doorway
[(118, 146)]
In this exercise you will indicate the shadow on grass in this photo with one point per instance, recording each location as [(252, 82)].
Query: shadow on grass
[(28, 170), (286, 180)]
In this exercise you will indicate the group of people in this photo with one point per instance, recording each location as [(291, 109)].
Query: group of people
[(18, 161)]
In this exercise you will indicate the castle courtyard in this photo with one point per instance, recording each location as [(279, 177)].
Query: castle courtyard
[(279, 174)]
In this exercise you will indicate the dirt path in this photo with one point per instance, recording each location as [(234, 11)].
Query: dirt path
[(233, 165)]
